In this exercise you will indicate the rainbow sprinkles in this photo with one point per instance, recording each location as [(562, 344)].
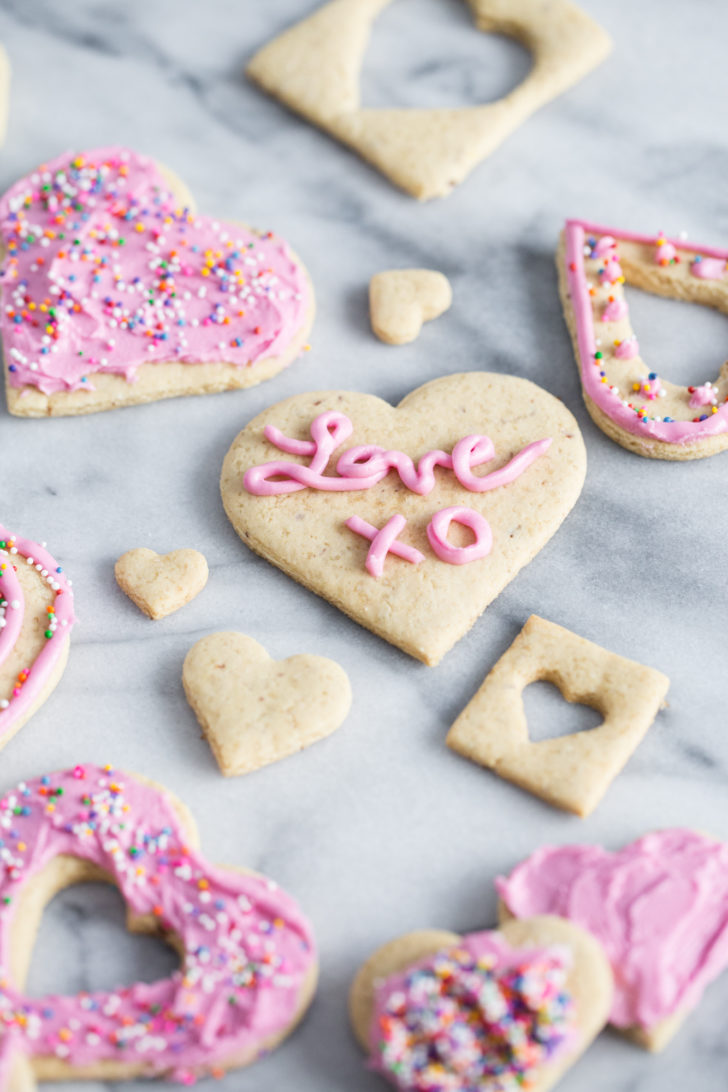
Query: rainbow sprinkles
[(631, 402)]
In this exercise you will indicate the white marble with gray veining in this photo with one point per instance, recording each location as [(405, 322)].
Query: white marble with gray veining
[(380, 829)]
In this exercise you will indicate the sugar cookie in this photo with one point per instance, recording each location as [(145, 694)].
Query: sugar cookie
[(247, 958), (36, 618), (160, 584), (384, 539), (628, 399), (491, 1010), (255, 710), (314, 69), (572, 772), (114, 291), (400, 300), (659, 907)]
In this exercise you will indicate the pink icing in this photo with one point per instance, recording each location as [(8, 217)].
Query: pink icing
[(104, 272), (708, 269), (366, 465), (17, 550), (659, 907), (247, 947), (615, 310), (704, 395), (439, 525), (611, 271), (384, 542), (664, 251), (610, 402), (603, 245), (627, 349)]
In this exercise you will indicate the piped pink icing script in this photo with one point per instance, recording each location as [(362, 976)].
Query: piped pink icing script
[(15, 550), (104, 272), (247, 946), (659, 907)]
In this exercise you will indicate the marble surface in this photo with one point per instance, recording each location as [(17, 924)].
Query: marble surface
[(380, 829)]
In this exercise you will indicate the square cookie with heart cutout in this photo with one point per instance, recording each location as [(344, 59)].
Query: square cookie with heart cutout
[(380, 509)]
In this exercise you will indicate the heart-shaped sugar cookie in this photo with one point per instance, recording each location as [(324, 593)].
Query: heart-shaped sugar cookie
[(400, 300), (659, 907), (114, 291), (517, 1005), (161, 583), (255, 710), (432, 584), (36, 618)]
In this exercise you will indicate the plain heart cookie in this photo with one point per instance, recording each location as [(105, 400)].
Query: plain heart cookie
[(36, 618), (160, 584), (489, 1010), (379, 509), (114, 291), (659, 907), (626, 396), (255, 710), (400, 300)]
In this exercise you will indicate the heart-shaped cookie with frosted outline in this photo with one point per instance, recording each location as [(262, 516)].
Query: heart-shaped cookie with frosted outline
[(255, 710), (160, 584), (314, 69), (425, 607), (587, 980), (627, 398), (36, 618), (114, 291), (400, 300)]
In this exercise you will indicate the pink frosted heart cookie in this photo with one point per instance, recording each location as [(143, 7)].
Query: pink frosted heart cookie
[(115, 291), (659, 907), (36, 617)]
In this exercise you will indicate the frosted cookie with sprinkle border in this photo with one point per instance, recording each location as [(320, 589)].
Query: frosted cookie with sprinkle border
[(628, 398), (114, 291)]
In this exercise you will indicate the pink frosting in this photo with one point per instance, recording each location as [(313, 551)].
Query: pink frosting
[(611, 271), (708, 269), (608, 400), (615, 310), (603, 246), (627, 349), (384, 542), (659, 907), (704, 395), (247, 946), (15, 550), (439, 525), (664, 251), (104, 272), (366, 465)]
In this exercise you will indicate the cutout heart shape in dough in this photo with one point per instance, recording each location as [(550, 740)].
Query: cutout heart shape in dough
[(36, 618), (436, 1010), (400, 300), (659, 907), (314, 69), (424, 585), (160, 584), (255, 710), (114, 291), (627, 399)]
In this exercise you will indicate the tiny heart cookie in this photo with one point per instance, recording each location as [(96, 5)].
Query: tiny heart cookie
[(36, 618), (490, 1010), (400, 300), (659, 907), (114, 291), (160, 584), (255, 710), (411, 554)]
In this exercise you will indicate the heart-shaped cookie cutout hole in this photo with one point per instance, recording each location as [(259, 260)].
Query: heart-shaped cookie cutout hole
[(627, 397), (36, 618), (160, 584), (314, 68), (658, 907), (255, 710), (115, 291), (400, 300), (436, 1002), (420, 602)]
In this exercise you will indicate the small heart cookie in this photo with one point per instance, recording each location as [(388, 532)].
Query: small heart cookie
[(490, 1010), (400, 300), (160, 584), (255, 710)]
